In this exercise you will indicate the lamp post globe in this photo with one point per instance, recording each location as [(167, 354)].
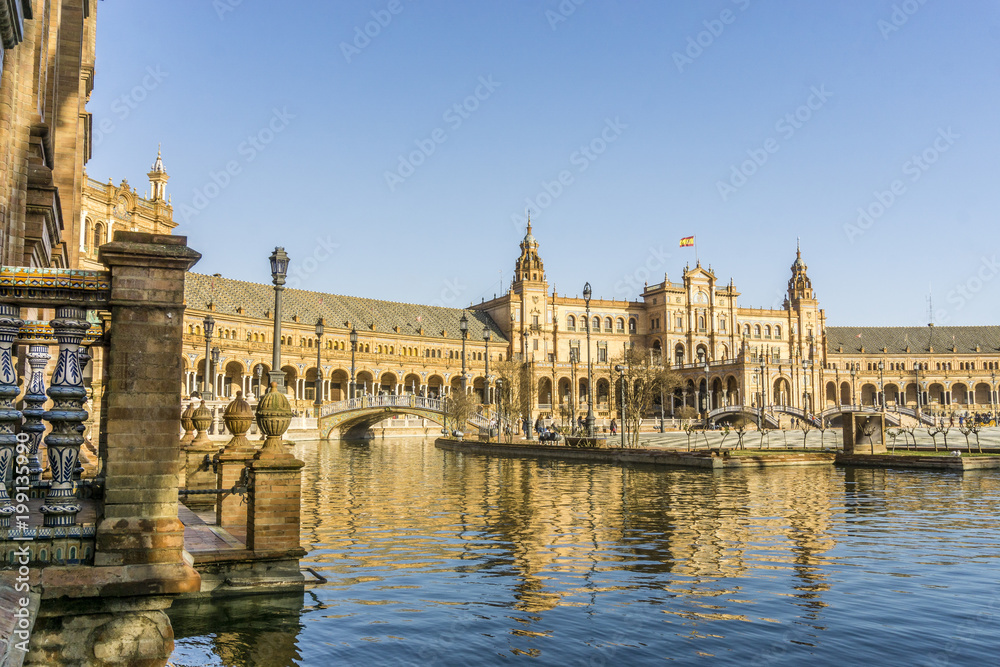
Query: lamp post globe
[(208, 326), (319, 368), (279, 269), (591, 419), (354, 348)]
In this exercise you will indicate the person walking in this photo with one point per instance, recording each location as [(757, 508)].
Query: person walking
[(614, 427)]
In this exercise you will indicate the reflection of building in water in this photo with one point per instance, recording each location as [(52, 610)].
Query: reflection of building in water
[(260, 630), (560, 528)]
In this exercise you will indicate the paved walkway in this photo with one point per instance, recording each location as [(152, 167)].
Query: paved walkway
[(201, 534)]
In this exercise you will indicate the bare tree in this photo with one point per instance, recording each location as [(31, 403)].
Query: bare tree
[(740, 426), (514, 394), (689, 430), (643, 380), (894, 433), (824, 424), (933, 432), (966, 430), (461, 406), (805, 425)]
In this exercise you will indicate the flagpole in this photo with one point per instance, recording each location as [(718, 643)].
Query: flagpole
[(696, 260)]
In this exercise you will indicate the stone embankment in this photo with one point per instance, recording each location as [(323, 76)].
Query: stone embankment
[(712, 460)]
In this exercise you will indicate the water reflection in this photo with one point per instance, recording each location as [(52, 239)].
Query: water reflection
[(437, 557), (260, 630)]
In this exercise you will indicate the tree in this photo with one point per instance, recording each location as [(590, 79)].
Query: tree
[(894, 433), (643, 380), (933, 432), (805, 425), (460, 407), (740, 426), (513, 394), (966, 430), (824, 424), (689, 430)]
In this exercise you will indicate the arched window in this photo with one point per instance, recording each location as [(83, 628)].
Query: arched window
[(756, 331), (767, 331), (746, 330), (596, 323), (98, 234), (621, 325), (571, 323), (607, 324), (777, 332), (88, 234), (701, 321), (631, 325)]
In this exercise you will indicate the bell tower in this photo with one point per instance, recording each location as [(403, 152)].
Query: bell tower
[(158, 179), (800, 291), (528, 268)]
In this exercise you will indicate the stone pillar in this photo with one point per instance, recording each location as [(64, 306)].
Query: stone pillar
[(197, 468), (10, 418), (275, 482), (864, 433), (34, 399), (139, 525), (231, 510), (67, 414)]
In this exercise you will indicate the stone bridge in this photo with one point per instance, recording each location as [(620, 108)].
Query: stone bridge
[(357, 415), (892, 416)]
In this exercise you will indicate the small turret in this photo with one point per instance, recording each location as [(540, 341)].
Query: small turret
[(158, 179)]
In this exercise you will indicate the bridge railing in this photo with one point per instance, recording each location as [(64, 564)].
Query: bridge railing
[(382, 401)]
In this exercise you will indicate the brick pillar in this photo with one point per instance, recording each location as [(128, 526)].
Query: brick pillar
[(231, 510), (275, 486), (142, 404)]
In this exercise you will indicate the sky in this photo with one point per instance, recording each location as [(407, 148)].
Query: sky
[(394, 147)]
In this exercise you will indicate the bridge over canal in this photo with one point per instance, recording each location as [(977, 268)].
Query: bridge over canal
[(355, 416)]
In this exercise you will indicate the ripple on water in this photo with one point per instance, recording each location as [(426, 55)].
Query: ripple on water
[(439, 558)]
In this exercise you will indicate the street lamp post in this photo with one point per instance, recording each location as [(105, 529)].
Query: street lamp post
[(993, 400), (319, 367), (574, 353), (257, 373), (854, 393), (279, 269), (806, 407), (486, 370), (621, 403), (590, 384), (708, 393), (215, 367), (881, 382), (352, 385), (463, 326), (209, 325)]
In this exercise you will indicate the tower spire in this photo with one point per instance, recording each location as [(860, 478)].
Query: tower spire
[(158, 177)]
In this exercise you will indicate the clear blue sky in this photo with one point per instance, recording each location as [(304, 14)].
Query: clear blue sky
[(313, 118)]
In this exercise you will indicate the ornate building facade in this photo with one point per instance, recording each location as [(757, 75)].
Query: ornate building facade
[(46, 77), (726, 354)]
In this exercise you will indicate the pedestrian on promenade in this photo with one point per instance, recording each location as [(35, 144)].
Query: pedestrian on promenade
[(614, 427)]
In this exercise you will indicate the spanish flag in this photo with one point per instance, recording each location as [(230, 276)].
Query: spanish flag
[(687, 241)]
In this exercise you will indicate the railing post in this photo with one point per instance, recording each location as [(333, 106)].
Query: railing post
[(34, 399), (10, 418), (66, 416)]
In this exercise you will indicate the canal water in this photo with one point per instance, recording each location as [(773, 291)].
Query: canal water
[(438, 558)]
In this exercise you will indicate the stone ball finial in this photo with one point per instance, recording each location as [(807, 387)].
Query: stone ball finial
[(186, 420), (202, 417), (238, 415), (274, 413)]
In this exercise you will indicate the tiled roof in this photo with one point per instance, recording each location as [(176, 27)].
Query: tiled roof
[(336, 310), (918, 339)]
